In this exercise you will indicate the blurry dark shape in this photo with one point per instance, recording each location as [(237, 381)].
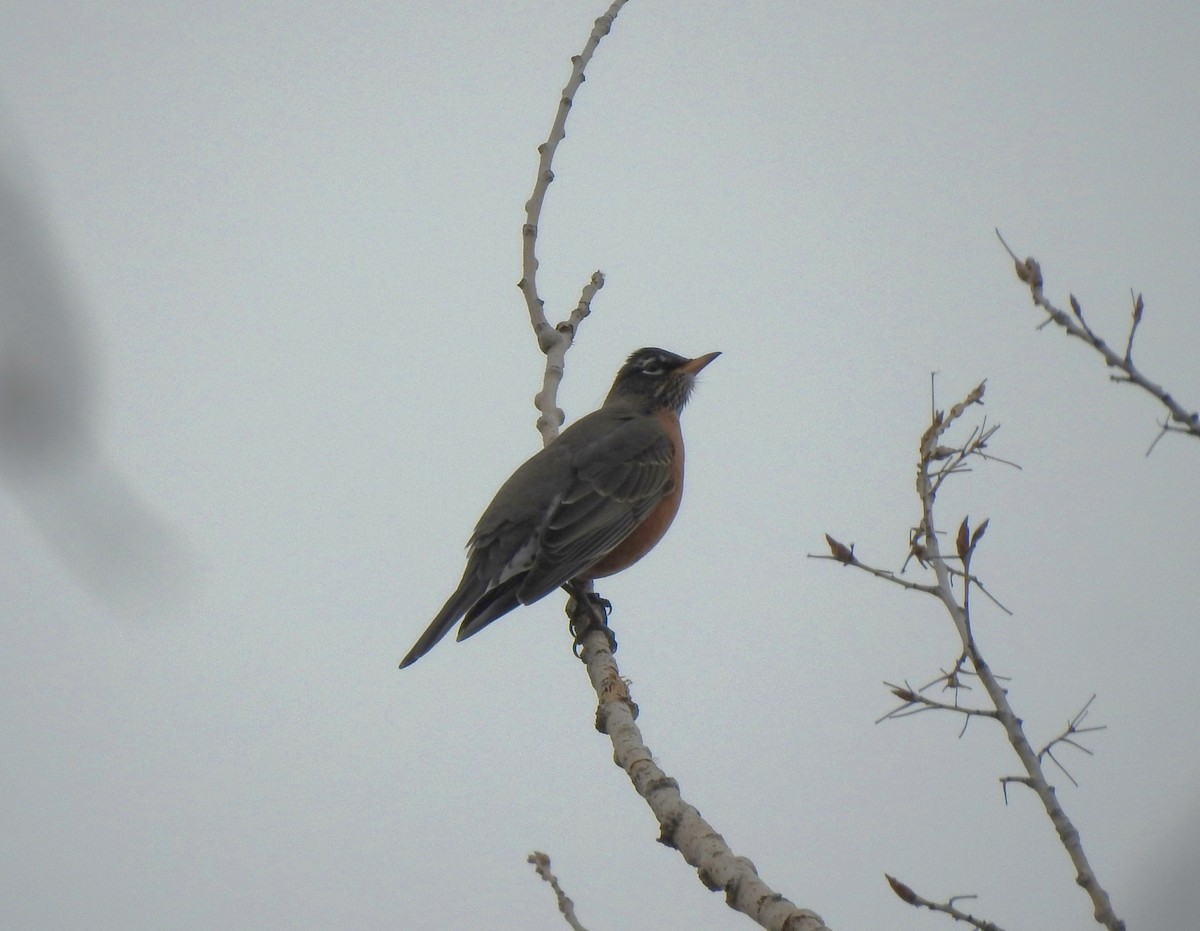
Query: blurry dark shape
[(49, 459), (44, 379)]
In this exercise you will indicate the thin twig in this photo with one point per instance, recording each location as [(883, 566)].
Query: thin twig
[(1074, 727), (915, 701), (906, 894), (845, 555), (541, 863), (839, 552), (1180, 419)]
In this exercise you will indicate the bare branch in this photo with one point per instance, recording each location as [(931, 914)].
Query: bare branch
[(1067, 737), (929, 470), (1138, 307), (541, 863), (906, 894), (554, 341), (1180, 420), (682, 827), (845, 555), (915, 700), (938, 460), (990, 597), (681, 824), (546, 401)]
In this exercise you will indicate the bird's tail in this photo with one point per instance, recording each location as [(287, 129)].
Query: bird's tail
[(467, 593), (494, 604)]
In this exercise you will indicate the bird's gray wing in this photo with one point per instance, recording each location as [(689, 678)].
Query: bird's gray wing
[(557, 515), (616, 481)]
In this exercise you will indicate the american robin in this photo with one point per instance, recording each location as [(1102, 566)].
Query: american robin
[(592, 502)]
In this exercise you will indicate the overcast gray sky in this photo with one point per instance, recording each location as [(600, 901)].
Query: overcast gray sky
[(271, 251)]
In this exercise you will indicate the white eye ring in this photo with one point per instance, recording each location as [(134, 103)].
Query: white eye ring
[(652, 368)]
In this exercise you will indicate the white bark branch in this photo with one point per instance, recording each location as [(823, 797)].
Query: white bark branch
[(718, 867), (555, 340), (550, 415), (682, 827)]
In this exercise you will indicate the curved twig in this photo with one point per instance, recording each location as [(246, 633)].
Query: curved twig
[(1181, 420), (555, 340)]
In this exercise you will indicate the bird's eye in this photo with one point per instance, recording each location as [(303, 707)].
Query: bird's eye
[(652, 367)]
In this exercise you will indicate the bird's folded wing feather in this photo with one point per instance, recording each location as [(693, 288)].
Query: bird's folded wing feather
[(616, 482)]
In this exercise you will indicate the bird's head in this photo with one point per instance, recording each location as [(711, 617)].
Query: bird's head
[(655, 379)]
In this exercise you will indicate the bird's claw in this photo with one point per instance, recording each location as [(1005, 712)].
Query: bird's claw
[(590, 612), (581, 633)]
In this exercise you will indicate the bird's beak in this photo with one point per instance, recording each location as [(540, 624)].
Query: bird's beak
[(692, 366)]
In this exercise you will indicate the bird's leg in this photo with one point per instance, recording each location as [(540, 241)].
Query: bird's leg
[(588, 611)]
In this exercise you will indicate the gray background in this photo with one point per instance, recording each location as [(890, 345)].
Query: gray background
[(278, 251)]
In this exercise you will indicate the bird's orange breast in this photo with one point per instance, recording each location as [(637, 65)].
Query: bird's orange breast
[(645, 536)]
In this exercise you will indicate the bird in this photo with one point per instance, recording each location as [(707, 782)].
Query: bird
[(588, 505)]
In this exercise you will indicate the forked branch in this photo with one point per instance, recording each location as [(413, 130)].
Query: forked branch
[(949, 907), (952, 584), (555, 340), (681, 825), (1179, 419)]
